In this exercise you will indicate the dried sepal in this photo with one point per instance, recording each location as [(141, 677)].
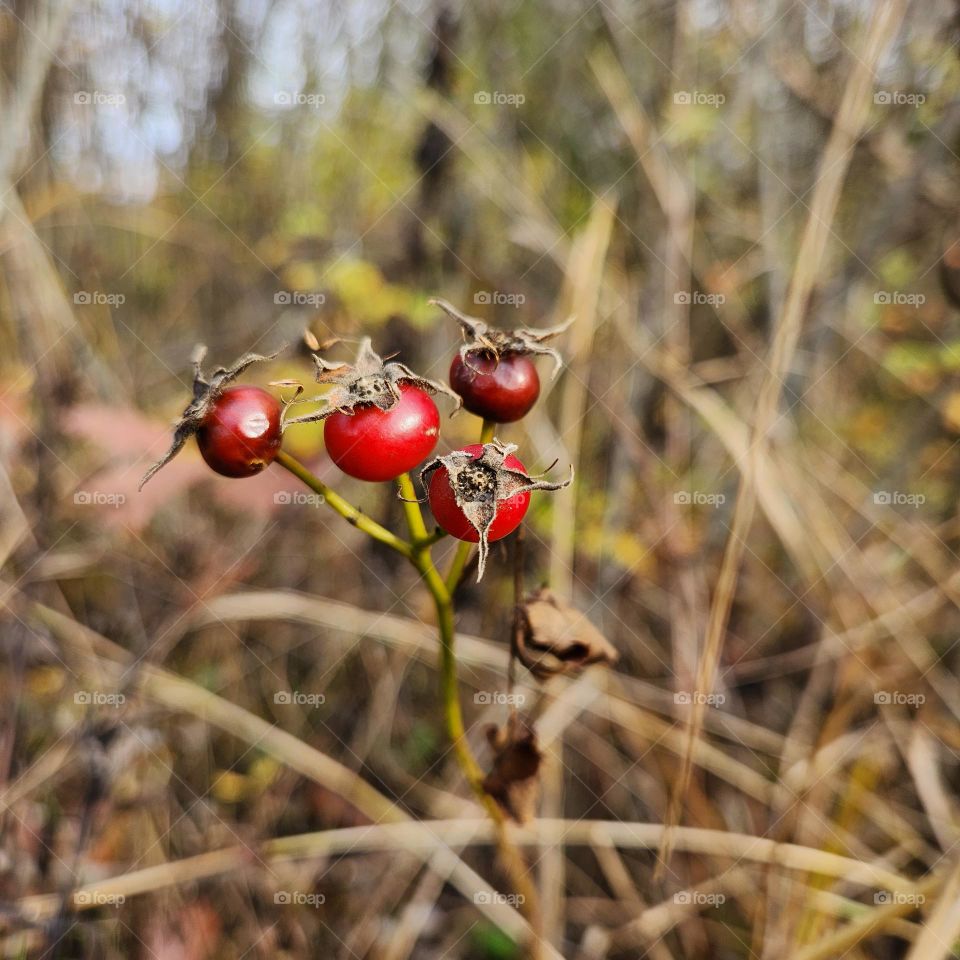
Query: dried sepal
[(554, 637), (479, 484), (514, 781), (206, 390), (368, 380), (480, 337)]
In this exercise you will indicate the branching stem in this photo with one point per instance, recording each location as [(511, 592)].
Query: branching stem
[(417, 551), (346, 510)]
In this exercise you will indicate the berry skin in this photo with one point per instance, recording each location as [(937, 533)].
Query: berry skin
[(501, 391), (375, 445), (240, 435), (449, 516)]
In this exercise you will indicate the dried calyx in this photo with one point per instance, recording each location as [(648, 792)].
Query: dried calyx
[(554, 637), (514, 780), (368, 380), (479, 337), (480, 483), (205, 393)]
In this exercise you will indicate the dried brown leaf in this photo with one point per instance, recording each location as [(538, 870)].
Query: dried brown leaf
[(514, 781), (555, 637)]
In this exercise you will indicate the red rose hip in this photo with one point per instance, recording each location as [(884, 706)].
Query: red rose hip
[(501, 390), (374, 444), (240, 435), (449, 516)]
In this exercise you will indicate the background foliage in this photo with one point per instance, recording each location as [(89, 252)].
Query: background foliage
[(233, 172)]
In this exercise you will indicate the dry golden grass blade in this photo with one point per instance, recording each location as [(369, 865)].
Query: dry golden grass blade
[(655, 922), (924, 764), (426, 838), (851, 117), (44, 769), (579, 299), (734, 434), (15, 527), (877, 920), (940, 936)]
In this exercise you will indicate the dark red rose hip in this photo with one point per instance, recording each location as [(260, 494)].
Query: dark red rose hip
[(238, 428), (240, 434), (502, 389)]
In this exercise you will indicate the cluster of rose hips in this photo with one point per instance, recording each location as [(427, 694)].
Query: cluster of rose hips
[(380, 421)]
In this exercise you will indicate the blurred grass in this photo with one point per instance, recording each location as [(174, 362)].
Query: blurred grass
[(820, 819)]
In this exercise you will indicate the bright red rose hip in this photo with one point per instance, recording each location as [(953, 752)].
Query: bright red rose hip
[(449, 516), (373, 444), (502, 389), (240, 434)]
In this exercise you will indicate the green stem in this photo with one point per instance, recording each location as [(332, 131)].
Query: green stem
[(411, 509), (443, 602), (487, 431), (435, 537), (418, 553), (346, 510), (449, 688), (460, 559)]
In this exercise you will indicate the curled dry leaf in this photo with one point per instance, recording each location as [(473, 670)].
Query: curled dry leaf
[(480, 337), (479, 484), (554, 637), (514, 781), (368, 380), (205, 393)]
